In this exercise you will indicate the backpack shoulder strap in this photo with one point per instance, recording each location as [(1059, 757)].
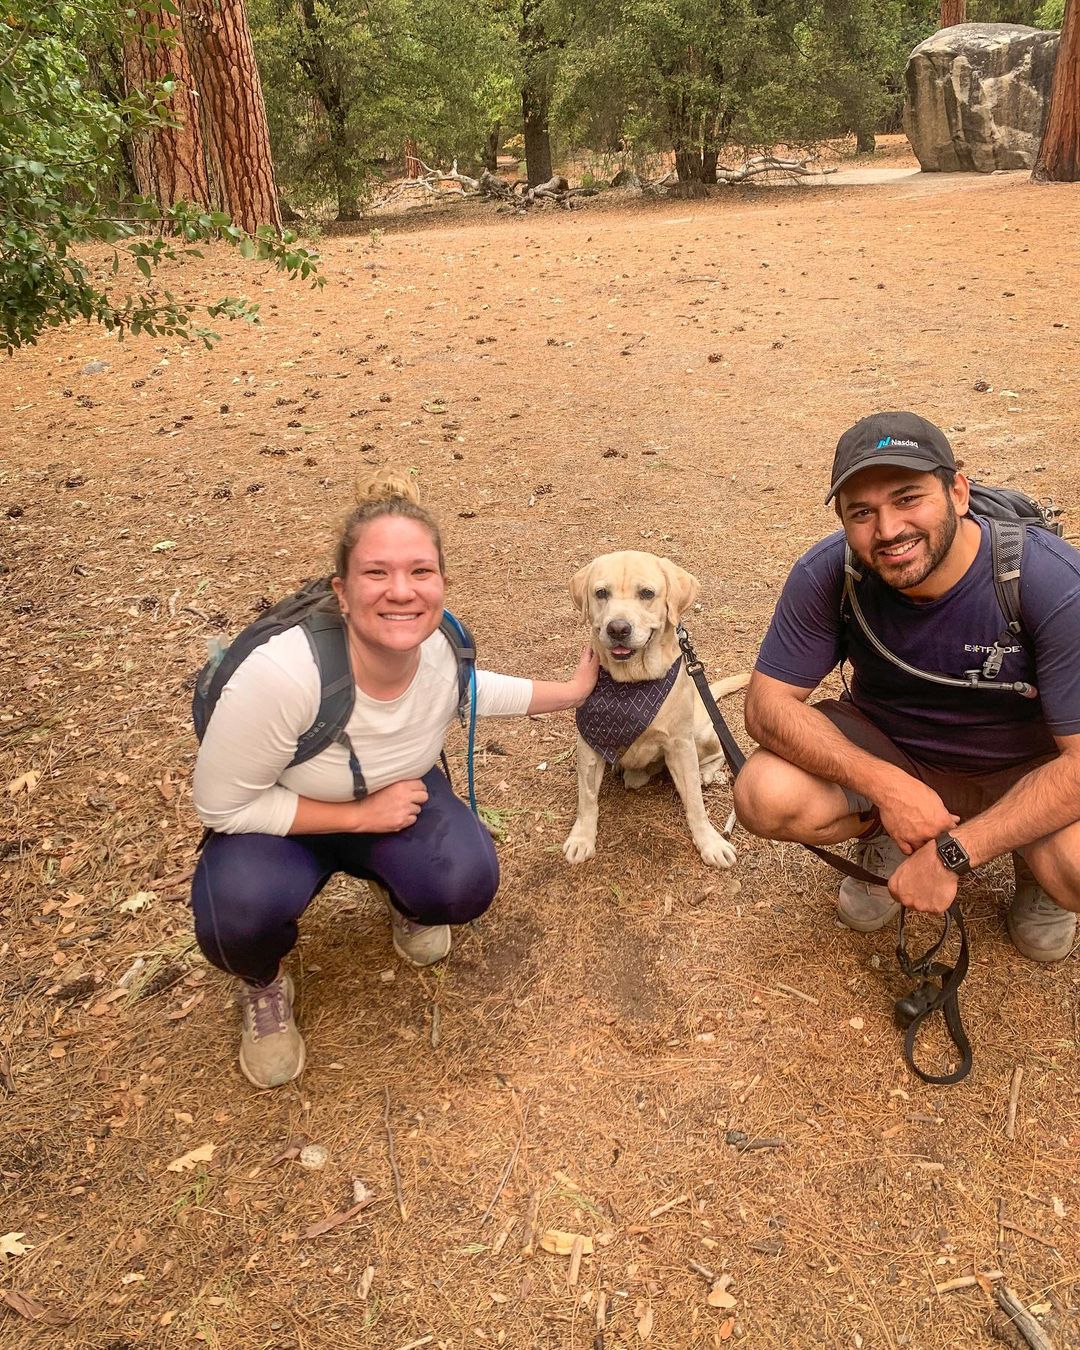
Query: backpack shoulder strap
[(1006, 553), (325, 634), (461, 640)]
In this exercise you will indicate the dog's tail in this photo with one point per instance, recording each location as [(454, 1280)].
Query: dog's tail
[(729, 684)]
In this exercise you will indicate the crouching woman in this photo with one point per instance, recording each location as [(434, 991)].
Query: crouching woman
[(279, 831)]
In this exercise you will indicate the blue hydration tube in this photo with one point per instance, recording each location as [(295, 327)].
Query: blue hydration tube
[(472, 739)]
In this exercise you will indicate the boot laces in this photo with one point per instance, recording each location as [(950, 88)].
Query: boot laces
[(268, 1009)]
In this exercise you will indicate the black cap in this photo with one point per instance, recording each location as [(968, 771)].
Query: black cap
[(901, 438)]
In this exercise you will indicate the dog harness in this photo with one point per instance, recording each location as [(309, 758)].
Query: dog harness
[(617, 711)]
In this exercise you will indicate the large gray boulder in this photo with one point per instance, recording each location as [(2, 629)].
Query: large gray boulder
[(977, 96)]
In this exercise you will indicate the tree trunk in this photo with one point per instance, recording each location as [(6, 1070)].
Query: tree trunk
[(537, 141), (491, 149), (865, 141), (318, 63), (696, 165), (953, 12), (233, 112), (169, 163), (535, 93), (1059, 151)]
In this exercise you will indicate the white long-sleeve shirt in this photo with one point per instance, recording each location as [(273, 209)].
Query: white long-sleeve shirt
[(243, 784)]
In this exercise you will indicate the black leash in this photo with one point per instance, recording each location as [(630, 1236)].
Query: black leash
[(935, 992), (938, 983)]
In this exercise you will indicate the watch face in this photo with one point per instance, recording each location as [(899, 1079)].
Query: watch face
[(952, 854)]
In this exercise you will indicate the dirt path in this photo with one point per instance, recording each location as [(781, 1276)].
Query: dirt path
[(670, 376)]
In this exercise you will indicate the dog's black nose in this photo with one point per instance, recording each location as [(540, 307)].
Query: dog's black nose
[(618, 630)]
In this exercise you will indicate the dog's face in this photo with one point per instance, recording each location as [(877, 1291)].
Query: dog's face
[(631, 602)]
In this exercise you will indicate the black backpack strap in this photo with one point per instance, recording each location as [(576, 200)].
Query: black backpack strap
[(329, 645), (1007, 552)]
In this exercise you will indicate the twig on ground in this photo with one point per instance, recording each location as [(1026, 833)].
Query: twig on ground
[(531, 1218), (508, 1169), (703, 1271), (500, 1241), (1022, 1320), (436, 1026), (968, 1281), (415, 1345), (1014, 1098), (1026, 1232), (576, 1253), (748, 1089), (670, 1204), (393, 1160), (796, 993)]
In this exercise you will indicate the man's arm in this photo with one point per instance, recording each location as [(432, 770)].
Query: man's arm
[(1044, 801), (779, 718), (1041, 803)]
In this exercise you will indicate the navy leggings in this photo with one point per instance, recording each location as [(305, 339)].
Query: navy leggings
[(249, 890)]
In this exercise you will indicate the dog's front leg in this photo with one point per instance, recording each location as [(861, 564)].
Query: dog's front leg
[(682, 762), (581, 841)]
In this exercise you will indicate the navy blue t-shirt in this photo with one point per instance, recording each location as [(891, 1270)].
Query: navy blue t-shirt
[(966, 730)]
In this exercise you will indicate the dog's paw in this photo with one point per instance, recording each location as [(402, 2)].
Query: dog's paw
[(713, 771), (716, 851), (635, 778), (578, 849)]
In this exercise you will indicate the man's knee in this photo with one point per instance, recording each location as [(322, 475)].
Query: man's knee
[(1055, 861), (770, 795)]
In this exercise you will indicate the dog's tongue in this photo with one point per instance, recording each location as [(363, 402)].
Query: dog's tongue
[(620, 651)]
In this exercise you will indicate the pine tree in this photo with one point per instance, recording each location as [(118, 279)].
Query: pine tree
[(1059, 151)]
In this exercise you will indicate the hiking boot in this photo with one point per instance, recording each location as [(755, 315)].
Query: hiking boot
[(864, 907), (271, 1048), (421, 944), (1040, 929)]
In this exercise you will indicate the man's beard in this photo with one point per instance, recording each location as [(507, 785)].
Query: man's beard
[(906, 575)]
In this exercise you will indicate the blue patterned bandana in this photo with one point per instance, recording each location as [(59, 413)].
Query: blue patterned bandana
[(617, 711)]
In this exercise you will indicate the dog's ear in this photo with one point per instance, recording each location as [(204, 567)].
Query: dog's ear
[(682, 589), (579, 585)]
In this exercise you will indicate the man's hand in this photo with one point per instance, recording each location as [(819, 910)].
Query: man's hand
[(923, 882), (391, 809), (912, 813)]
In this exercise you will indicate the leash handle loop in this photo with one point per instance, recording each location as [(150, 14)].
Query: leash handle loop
[(936, 992)]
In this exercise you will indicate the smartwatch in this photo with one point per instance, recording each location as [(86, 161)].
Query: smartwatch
[(953, 854)]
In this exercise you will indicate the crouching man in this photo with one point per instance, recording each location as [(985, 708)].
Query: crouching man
[(931, 778)]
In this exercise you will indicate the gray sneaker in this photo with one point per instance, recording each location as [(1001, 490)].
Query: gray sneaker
[(271, 1049), (421, 944), (864, 907), (1040, 929)]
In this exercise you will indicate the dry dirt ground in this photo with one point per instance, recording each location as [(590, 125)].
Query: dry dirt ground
[(668, 376)]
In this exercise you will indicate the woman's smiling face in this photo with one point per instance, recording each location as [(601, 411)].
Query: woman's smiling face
[(392, 594)]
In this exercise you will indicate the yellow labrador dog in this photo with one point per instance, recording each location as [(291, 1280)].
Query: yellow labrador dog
[(645, 712)]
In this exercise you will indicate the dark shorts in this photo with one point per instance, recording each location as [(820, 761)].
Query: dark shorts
[(964, 794)]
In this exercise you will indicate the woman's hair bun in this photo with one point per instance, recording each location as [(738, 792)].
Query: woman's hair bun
[(386, 485)]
